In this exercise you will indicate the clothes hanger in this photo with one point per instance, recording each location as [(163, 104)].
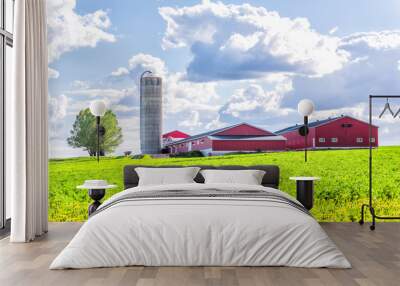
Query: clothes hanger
[(387, 107), (397, 113)]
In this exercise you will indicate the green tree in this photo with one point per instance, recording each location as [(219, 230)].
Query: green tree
[(84, 133)]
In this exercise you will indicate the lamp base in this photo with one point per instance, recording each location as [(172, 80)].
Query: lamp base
[(96, 195)]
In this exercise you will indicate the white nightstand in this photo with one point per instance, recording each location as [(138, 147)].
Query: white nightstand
[(96, 190)]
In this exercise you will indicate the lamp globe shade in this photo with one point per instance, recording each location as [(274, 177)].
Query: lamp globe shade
[(305, 107), (98, 108)]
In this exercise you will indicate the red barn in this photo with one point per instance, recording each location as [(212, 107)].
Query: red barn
[(337, 132), (173, 136), (242, 137)]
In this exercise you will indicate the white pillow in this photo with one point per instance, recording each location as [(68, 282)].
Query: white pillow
[(247, 177), (166, 176)]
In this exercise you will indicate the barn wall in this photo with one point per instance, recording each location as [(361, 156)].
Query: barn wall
[(347, 137), (197, 144), (201, 144), (296, 141), (178, 148), (248, 145)]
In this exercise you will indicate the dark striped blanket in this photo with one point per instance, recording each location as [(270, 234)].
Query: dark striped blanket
[(206, 194)]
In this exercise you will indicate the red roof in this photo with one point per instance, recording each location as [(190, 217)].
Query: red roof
[(319, 123), (243, 129), (176, 134)]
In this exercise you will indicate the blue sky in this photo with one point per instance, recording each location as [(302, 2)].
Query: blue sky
[(223, 62)]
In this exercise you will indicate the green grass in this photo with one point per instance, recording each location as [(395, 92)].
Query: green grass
[(338, 196)]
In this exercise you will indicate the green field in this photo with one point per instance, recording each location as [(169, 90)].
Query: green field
[(338, 196)]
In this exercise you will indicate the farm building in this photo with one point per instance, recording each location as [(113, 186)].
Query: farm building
[(337, 132), (242, 137), (173, 136)]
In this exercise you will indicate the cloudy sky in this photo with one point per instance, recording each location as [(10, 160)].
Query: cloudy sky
[(223, 62)]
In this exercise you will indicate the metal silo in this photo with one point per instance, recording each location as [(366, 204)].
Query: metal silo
[(150, 113)]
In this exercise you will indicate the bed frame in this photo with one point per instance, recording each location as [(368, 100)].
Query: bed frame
[(270, 179)]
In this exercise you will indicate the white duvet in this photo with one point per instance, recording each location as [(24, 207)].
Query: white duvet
[(200, 231)]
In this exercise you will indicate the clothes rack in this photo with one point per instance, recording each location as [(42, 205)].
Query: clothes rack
[(370, 205)]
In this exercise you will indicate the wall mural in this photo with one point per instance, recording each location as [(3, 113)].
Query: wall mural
[(208, 78)]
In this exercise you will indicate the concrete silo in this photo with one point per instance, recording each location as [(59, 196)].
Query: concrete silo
[(150, 113)]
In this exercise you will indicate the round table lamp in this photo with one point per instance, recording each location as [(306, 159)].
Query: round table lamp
[(305, 108), (98, 108)]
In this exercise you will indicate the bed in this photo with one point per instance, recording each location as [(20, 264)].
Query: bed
[(201, 224)]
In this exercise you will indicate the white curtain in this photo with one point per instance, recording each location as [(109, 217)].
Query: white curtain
[(28, 153)]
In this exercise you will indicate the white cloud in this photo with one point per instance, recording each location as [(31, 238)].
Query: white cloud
[(181, 95), (140, 63), (124, 108), (192, 121), (333, 30), (247, 100), (112, 97), (358, 111), (254, 100), (144, 62), (120, 72), (216, 123), (80, 84), (372, 71), (53, 74), (57, 107), (57, 111), (107, 93), (68, 31), (382, 40), (243, 41)]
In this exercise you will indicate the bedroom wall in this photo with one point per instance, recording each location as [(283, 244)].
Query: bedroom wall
[(215, 79), (220, 68)]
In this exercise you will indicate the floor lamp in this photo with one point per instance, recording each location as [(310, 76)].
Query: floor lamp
[(305, 108), (98, 108)]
